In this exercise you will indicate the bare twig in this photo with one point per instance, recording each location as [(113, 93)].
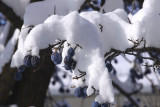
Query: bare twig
[(133, 51), (101, 27), (82, 74), (93, 92)]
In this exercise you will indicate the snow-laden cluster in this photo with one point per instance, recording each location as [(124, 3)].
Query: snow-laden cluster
[(88, 39), (95, 32)]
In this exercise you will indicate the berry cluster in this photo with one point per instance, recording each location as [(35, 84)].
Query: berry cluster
[(69, 62), (96, 104), (29, 61), (109, 66)]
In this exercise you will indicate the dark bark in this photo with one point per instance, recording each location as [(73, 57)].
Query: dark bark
[(15, 20), (6, 83), (31, 90)]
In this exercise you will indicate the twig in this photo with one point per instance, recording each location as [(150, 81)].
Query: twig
[(82, 74), (77, 45), (30, 26), (125, 93), (93, 92), (101, 27), (126, 58), (54, 9)]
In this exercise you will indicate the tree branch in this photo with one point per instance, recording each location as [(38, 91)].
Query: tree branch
[(125, 93), (134, 51), (15, 20)]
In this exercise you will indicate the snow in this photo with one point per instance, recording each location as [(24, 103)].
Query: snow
[(152, 4), (149, 19), (82, 37), (16, 60), (18, 6), (6, 55), (95, 32), (47, 9)]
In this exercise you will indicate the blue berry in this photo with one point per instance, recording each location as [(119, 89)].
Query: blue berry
[(67, 67), (104, 105), (27, 60), (68, 61), (85, 91), (70, 52), (109, 66), (56, 58), (21, 68), (18, 76), (95, 104), (35, 60), (80, 92)]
